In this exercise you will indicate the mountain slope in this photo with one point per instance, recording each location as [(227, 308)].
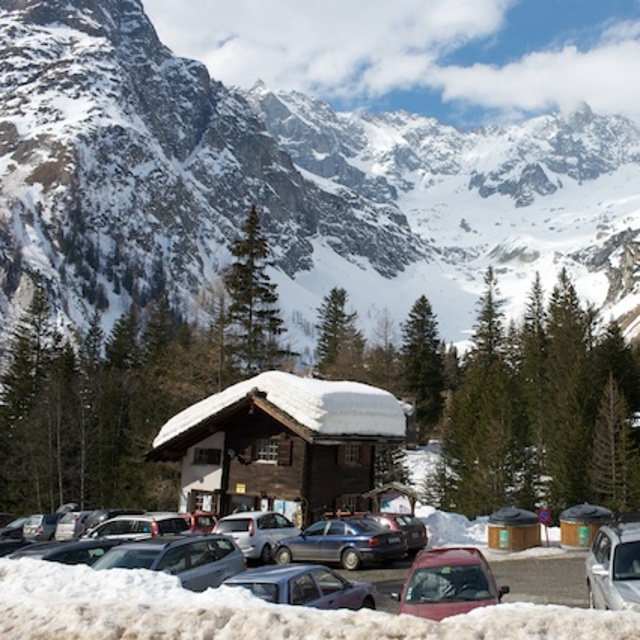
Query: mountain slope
[(556, 191), (126, 171)]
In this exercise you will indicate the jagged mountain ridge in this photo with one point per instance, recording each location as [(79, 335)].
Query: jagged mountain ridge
[(458, 189), (126, 171)]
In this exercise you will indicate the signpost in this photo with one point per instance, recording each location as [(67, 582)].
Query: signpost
[(544, 518)]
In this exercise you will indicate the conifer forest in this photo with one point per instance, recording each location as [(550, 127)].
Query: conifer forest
[(539, 411)]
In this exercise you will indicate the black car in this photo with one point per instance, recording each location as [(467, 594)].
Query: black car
[(85, 551), (9, 545), (13, 529)]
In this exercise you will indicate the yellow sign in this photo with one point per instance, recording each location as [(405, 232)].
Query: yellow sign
[(241, 488)]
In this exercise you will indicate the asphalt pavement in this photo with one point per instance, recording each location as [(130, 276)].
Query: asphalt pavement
[(554, 579)]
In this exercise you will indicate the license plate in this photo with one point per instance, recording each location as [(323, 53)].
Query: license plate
[(394, 539)]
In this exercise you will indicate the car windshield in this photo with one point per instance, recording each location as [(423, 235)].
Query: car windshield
[(69, 517), (18, 522), (127, 559), (228, 526), (265, 591), (448, 584), (626, 562)]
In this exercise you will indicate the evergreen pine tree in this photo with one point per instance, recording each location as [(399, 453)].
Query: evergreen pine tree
[(423, 367), (533, 380), (382, 358), (253, 310), (614, 469), (570, 405), (123, 359), (340, 348), (23, 445), (479, 440), (90, 422)]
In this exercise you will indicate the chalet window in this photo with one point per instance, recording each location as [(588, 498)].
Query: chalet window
[(273, 450), (207, 456), (348, 503), (266, 450), (350, 455)]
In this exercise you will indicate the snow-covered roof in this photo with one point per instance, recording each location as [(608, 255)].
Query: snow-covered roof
[(328, 407)]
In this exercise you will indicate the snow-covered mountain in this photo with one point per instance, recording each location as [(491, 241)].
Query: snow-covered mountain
[(126, 171)]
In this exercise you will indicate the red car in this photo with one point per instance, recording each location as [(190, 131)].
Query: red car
[(412, 528), (447, 582), (201, 521)]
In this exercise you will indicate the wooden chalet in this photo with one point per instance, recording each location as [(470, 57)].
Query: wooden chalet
[(278, 441)]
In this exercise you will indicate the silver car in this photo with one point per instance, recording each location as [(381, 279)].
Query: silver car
[(41, 526), (200, 562), (257, 532), (72, 525), (613, 567)]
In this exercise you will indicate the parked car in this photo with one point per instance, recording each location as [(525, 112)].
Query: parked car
[(199, 562), (140, 526), (613, 567), (85, 551), (6, 518), (256, 532), (309, 585), (201, 521), (98, 516), (72, 525), (9, 545), (13, 529), (351, 542), (447, 582), (41, 526), (412, 528)]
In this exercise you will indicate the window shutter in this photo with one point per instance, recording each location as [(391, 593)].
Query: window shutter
[(284, 453)]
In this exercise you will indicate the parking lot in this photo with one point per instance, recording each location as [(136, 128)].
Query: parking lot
[(554, 579)]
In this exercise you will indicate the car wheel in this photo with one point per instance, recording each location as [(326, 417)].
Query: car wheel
[(592, 603), (265, 555), (350, 559), (283, 556)]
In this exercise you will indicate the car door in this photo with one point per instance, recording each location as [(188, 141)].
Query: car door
[(600, 584), (335, 591), (307, 546), (332, 543), (304, 591), (208, 563)]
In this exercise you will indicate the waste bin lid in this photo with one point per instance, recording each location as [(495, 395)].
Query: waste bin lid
[(586, 513), (513, 517)]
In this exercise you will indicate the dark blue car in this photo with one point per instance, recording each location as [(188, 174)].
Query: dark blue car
[(351, 543)]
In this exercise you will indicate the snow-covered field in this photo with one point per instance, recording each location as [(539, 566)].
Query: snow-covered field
[(51, 601)]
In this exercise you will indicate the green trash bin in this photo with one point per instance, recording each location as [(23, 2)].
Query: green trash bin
[(579, 524), (513, 529)]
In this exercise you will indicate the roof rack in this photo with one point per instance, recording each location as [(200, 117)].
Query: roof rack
[(627, 517)]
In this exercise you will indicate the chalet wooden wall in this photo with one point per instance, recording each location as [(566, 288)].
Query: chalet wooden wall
[(332, 480), (263, 479)]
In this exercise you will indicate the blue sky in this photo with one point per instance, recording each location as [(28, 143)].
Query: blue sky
[(464, 62)]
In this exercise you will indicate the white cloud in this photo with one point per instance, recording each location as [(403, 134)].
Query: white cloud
[(602, 77), (361, 51), (322, 46)]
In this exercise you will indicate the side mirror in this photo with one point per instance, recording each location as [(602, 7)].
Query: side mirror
[(395, 596), (599, 570), (502, 591)]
